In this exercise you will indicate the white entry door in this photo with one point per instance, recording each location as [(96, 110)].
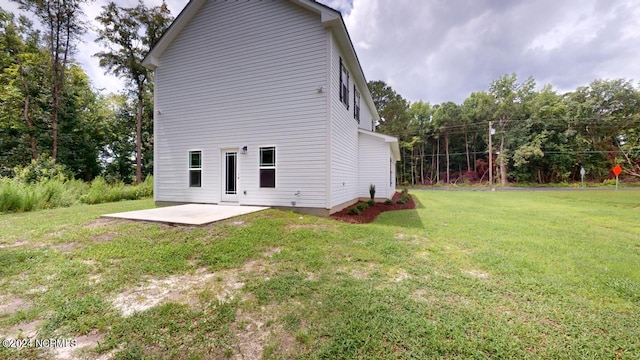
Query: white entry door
[(230, 175)]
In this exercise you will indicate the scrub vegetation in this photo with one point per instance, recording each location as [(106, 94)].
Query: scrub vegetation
[(44, 184)]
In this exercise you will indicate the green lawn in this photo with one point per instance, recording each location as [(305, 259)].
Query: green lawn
[(552, 275)]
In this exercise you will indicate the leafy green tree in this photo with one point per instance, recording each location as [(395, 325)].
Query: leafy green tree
[(83, 130), (477, 110), (604, 115), (23, 80), (420, 119), (393, 110), (63, 24), (129, 34), (512, 104), (446, 118)]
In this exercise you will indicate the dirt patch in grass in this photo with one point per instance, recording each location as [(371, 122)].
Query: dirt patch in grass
[(223, 285), (104, 237), (21, 330), (372, 212), (15, 244), (178, 288), (270, 252), (251, 334), (308, 226), (83, 345), (101, 222), (422, 295), (10, 304), (66, 247), (359, 271), (255, 331), (477, 274), (398, 275)]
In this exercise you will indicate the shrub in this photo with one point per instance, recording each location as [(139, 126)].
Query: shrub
[(371, 202), (354, 210), (372, 191), (362, 206), (405, 191), (44, 168), (388, 202), (10, 195)]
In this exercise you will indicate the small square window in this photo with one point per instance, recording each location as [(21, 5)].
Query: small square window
[(195, 178), (196, 159), (268, 156), (267, 178)]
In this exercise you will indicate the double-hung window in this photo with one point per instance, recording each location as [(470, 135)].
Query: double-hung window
[(344, 84), (195, 168), (268, 167), (356, 104)]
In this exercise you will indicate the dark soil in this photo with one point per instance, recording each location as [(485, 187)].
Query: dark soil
[(372, 212)]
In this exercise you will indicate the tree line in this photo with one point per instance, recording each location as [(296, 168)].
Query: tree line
[(538, 136), (48, 106)]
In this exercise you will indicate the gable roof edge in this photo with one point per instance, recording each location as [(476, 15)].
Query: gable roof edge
[(151, 61)]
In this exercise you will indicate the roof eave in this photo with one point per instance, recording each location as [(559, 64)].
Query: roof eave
[(151, 61), (393, 141)]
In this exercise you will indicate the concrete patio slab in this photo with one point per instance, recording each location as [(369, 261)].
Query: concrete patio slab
[(189, 214)]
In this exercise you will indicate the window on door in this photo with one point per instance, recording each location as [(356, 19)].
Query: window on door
[(195, 168), (268, 167)]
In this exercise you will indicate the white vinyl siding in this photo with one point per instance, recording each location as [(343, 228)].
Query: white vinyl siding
[(245, 74), (344, 139), (374, 165)]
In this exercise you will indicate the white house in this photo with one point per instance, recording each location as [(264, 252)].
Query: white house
[(265, 103)]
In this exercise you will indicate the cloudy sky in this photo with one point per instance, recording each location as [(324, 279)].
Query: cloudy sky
[(442, 50)]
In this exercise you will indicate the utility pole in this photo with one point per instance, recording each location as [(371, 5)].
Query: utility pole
[(490, 156)]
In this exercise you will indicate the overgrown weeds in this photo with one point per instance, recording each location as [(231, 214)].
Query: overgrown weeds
[(20, 196)]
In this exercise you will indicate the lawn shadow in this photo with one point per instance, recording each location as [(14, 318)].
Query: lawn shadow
[(419, 205), (403, 218)]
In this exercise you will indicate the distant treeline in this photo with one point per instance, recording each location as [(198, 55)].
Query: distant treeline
[(537, 136)]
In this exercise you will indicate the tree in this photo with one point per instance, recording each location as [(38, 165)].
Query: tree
[(83, 130), (605, 117), (477, 110), (511, 104), (23, 77), (62, 21), (129, 34), (446, 117), (420, 115)]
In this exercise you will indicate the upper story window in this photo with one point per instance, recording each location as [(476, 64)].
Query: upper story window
[(356, 104), (344, 84)]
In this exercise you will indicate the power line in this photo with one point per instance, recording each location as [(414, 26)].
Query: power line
[(554, 152)]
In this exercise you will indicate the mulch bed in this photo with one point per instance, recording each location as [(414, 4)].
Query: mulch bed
[(372, 212)]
